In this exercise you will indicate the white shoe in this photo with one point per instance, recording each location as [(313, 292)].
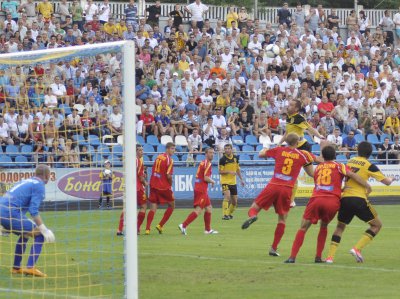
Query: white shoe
[(293, 204), (329, 260), (210, 232), (182, 229)]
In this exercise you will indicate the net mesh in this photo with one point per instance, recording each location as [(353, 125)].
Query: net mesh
[(87, 260)]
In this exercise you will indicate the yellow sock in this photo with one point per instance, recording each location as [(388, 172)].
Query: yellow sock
[(232, 208), (225, 207), (364, 241), (332, 249), (294, 192)]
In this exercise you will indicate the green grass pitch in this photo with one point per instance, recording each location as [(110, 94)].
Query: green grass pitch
[(87, 260)]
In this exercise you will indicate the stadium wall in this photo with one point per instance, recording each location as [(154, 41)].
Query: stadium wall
[(71, 184)]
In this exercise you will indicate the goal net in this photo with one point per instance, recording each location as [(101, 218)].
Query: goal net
[(66, 108)]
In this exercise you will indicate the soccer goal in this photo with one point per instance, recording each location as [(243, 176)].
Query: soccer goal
[(91, 153)]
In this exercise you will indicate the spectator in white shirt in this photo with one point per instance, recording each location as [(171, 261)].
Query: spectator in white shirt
[(195, 142), (197, 10)]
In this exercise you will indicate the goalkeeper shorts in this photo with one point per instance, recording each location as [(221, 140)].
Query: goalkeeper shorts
[(16, 222)]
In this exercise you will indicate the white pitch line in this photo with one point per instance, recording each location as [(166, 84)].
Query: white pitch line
[(40, 293), (265, 262)]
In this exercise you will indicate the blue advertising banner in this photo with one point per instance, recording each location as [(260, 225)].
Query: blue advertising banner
[(255, 177)]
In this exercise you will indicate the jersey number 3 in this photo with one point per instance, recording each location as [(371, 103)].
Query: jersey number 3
[(287, 166)]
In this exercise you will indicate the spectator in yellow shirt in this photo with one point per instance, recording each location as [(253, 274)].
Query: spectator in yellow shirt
[(46, 9), (165, 106), (183, 63), (321, 72), (121, 27), (231, 16), (392, 124), (110, 27), (223, 100)]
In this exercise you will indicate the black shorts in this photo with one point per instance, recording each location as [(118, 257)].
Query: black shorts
[(232, 189), (305, 147), (356, 206)]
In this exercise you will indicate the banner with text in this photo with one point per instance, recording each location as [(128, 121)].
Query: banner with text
[(85, 184)]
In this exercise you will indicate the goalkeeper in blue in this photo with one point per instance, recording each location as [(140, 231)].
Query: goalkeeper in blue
[(27, 196)]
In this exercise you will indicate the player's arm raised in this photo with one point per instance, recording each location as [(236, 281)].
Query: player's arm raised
[(314, 132), (359, 180), (388, 181)]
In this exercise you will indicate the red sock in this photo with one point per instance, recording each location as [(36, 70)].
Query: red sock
[(298, 241), (207, 221), (323, 231), (121, 222), (140, 218), (167, 214), (279, 231), (150, 217), (252, 212), (192, 216)]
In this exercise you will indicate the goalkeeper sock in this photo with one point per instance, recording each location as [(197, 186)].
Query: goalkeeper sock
[(323, 231), (108, 201), (207, 221), (225, 207), (19, 251), (192, 216), (166, 216), (150, 217), (298, 242), (121, 222), (232, 209), (36, 249), (279, 231), (100, 201), (140, 218)]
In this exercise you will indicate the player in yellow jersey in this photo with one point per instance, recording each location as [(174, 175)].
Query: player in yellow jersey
[(355, 202), (296, 123), (228, 169)]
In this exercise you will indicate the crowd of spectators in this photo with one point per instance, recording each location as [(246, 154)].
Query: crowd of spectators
[(209, 80), (218, 82)]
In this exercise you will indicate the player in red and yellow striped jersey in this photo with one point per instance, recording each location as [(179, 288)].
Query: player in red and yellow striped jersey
[(161, 187), (201, 198), (141, 197), (325, 200)]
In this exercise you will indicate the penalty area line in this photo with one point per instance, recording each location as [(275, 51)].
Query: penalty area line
[(40, 293), (268, 263)]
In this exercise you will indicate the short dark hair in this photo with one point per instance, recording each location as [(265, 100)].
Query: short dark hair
[(328, 153), (364, 149), (298, 105)]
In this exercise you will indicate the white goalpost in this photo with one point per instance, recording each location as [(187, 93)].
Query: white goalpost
[(85, 235)]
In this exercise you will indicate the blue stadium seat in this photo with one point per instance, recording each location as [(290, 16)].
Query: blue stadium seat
[(200, 158), (152, 140), (94, 140), (98, 160), (372, 138), (79, 139), (359, 138), (251, 140), (244, 157), (103, 150), (247, 148), (147, 148), (175, 158), (118, 150), (66, 108), (161, 148), (27, 150), (341, 158), (146, 158), (259, 147), (236, 148), (309, 139), (383, 136), (12, 150), (315, 148), (115, 161), (140, 140), (238, 140), (6, 161), (21, 161)]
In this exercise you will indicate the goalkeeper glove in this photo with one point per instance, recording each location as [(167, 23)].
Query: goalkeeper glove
[(47, 234)]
